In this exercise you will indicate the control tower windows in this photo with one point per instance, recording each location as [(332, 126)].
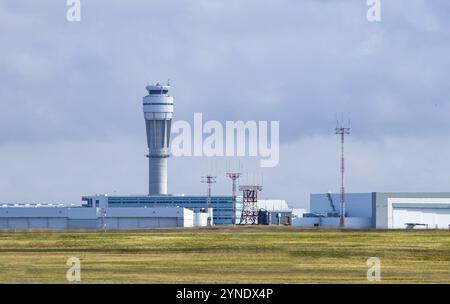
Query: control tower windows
[(158, 92)]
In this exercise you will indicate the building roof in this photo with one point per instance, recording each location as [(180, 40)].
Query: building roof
[(274, 205)]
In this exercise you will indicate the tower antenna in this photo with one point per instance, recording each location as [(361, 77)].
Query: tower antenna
[(342, 131), (209, 179), (234, 175)]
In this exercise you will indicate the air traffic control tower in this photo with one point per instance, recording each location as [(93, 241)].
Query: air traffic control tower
[(158, 112)]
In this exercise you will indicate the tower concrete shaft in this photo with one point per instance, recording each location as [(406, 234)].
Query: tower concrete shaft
[(158, 113)]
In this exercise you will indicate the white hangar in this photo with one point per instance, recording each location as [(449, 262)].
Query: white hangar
[(383, 210)]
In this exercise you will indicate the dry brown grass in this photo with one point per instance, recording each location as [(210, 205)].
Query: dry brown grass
[(226, 255)]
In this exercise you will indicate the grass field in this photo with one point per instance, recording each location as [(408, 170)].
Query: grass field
[(226, 255)]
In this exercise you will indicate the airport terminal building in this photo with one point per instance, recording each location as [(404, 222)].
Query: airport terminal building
[(132, 212), (222, 206)]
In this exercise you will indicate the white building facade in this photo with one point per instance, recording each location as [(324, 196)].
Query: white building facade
[(382, 210), (424, 210), (49, 217)]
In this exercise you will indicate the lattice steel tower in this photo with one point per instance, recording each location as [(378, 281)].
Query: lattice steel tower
[(342, 131), (249, 213)]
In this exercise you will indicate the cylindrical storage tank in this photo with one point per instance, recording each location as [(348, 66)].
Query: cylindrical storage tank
[(203, 219), (210, 217), (200, 219)]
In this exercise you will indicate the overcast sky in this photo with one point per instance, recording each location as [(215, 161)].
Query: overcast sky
[(71, 119)]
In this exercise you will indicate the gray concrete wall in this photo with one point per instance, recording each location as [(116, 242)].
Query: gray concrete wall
[(356, 204)]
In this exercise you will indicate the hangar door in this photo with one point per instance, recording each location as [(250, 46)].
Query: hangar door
[(433, 217)]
